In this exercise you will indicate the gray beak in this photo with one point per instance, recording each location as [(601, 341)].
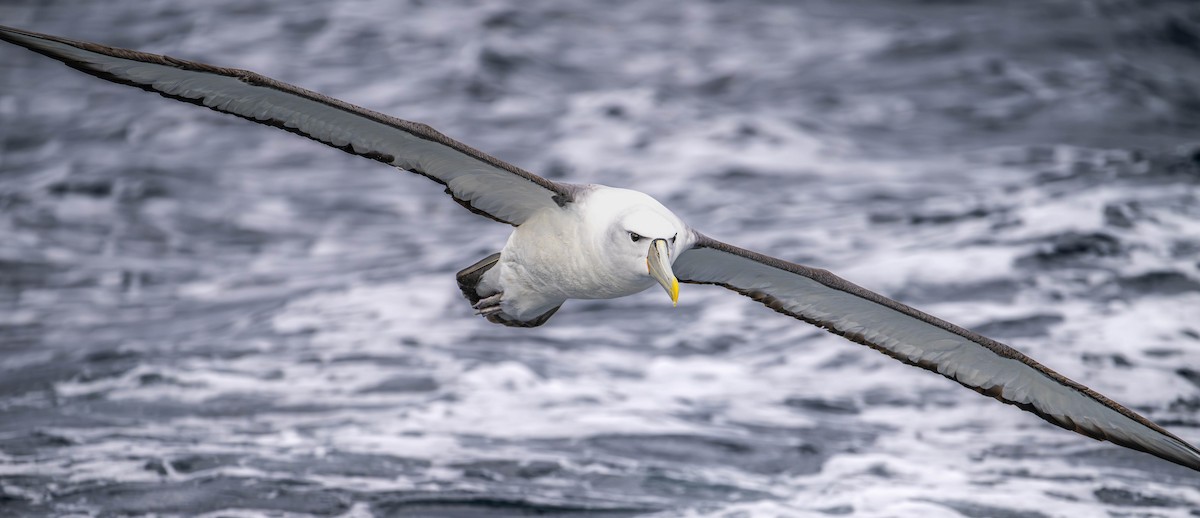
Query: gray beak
[(658, 262)]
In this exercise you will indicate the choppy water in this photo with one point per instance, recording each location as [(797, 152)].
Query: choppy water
[(199, 315)]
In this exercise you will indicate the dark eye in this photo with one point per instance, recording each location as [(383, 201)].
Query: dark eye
[(634, 236), (673, 238)]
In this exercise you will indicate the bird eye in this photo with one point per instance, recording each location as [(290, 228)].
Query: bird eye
[(634, 236), (673, 238)]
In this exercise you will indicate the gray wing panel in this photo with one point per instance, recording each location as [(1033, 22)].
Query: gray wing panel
[(984, 365), (481, 183)]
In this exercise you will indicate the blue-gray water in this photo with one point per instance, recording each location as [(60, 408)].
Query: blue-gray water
[(200, 315)]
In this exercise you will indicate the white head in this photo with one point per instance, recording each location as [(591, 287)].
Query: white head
[(639, 235)]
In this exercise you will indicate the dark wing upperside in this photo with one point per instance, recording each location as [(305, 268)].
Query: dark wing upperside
[(991, 368), (481, 183)]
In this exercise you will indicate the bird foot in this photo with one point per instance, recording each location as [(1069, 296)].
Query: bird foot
[(493, 300), (489, 306)]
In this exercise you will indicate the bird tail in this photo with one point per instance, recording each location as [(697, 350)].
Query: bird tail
[(469, 277), (468, 281)]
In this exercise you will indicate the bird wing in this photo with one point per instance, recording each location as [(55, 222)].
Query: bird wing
[(906, 334), (481, 183)]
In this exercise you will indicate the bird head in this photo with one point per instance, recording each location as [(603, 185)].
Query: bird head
[(640, 236), (650, 238)]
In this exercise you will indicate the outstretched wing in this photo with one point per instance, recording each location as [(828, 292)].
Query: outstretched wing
[(977, 362), (479, 182)]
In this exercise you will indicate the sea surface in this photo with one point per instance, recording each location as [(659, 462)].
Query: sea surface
[(200, 316)]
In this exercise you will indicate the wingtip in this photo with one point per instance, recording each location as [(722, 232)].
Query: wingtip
[(11, 34), (29, 39), (7, 33)]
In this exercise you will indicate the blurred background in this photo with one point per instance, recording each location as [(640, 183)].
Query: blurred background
[(201, 315)]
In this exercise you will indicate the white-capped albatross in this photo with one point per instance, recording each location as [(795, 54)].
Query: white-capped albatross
[(591, 241)]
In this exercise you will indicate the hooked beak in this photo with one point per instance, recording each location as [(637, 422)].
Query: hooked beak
[(658, 262)]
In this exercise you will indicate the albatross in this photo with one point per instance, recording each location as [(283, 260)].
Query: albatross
[(592, 242)]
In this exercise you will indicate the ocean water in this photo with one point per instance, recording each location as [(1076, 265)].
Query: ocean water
[(201, 316)]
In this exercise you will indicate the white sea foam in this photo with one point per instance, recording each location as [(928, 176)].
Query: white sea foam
[(274, 312)]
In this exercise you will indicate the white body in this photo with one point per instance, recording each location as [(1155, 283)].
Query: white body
[(582, 251)]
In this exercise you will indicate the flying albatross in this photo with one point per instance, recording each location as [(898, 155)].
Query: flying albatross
[(591, 241)]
